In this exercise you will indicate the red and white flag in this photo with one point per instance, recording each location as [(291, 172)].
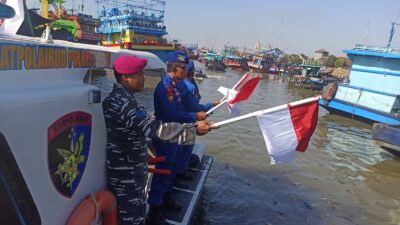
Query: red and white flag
[(288, 130), (240, 91), (244, 90)]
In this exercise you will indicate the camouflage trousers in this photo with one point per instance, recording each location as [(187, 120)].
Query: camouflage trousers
[(129, 189)]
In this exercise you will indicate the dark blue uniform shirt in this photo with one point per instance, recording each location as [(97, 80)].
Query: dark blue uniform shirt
[(191, 97), (168, 103)]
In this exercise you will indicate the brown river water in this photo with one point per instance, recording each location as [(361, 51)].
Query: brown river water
[(343, 177)]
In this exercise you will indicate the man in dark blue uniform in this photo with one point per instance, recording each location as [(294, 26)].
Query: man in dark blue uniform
[(191, 101), (128, 130), (169, 107)]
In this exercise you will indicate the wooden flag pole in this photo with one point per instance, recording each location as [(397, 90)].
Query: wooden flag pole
[(222, 101), (273, 109)]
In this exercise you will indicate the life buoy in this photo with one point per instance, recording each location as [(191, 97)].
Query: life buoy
[(101, 203)]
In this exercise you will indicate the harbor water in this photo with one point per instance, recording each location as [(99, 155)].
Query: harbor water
[(343, 177)]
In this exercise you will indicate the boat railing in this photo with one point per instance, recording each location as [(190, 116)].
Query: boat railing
[(131, 16), (368, 98), (369, 90), (372, 48), (119, 28)]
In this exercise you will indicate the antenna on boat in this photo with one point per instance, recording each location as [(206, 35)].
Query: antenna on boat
[(391, 34), (366, 33)]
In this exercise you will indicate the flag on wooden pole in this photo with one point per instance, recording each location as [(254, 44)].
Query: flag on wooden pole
[(244, 92), (225, 90), (288, 130)]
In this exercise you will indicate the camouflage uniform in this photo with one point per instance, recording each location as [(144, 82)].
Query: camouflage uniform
[(127, 130)]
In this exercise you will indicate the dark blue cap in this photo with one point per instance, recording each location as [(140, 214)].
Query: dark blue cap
[(177, 56)]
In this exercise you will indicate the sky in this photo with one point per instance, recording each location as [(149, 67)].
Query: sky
[(294, 26)]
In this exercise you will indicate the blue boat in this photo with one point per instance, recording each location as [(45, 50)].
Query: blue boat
[(387, 137), (373, 90)]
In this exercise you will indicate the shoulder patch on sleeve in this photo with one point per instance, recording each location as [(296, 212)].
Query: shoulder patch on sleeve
[(170, 93)]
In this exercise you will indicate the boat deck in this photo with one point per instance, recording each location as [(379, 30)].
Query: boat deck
[(189, 197)]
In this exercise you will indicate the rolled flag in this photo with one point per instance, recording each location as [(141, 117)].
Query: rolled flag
[(242, 94), (288, 130)]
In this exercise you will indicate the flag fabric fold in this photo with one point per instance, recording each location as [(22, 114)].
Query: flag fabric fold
[(288, 130), (234, 109), (244, 89)]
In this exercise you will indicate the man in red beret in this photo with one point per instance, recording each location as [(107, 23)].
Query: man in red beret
[(128, 129)]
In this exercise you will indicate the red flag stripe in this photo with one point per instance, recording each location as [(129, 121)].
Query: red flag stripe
[(304, 119), (246, 90), (244, 77)]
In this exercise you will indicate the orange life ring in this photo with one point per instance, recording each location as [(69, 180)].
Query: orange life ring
[(101, 203)]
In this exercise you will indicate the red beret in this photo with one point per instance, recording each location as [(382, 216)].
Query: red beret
[(129, 64)]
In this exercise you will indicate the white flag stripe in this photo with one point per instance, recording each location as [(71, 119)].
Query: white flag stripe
[(223, 99), (281, 145), (233, 108), (223, 90)]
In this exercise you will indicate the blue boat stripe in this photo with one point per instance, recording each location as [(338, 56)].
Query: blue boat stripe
[(372, 53), (368, 90), (363, 112), (376, 71)]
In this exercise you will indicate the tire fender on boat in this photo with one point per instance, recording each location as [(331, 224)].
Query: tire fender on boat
[(102, 203), (330, 91)]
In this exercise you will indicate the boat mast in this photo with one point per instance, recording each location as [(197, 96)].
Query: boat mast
[(45, 9), (391, 34)]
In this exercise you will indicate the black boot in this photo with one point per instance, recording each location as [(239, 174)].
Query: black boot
[(170, 204), (154, 217)]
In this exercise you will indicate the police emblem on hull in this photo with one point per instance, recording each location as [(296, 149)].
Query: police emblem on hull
[(68, 150)]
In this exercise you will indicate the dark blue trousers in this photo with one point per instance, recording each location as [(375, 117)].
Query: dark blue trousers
[(183, 158), (162, 184)]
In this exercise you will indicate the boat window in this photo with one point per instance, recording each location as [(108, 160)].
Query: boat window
[(104, 79), (16, 203)]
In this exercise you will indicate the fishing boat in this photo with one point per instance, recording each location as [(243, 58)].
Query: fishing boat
[(232, 58), (373, 91), (258, 63), (79, 27), (202, 54), (198, 74), (386, 136), (213, 61), (233, 62), (134, 24), (308, 77), (53, 134)]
